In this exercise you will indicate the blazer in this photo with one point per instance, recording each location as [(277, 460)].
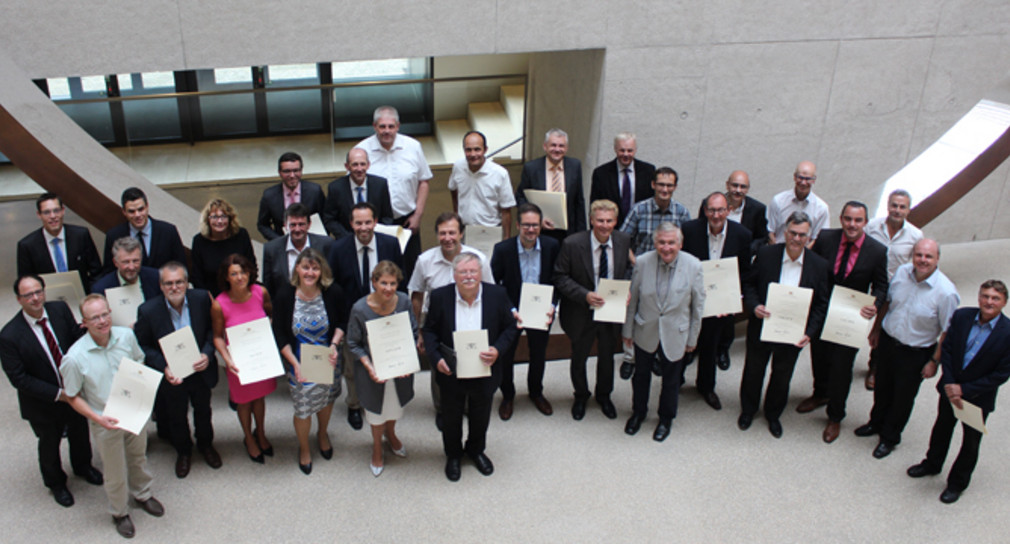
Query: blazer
[(275, 260), (284, 311), (987, 371), (270, 221), (869, 270), (26, 364), (574, 278), (534, 176), (343, 258), (154, 322), (767, 268), (754, 219), (150, 282), (165, 244), (340, 200), (607, 184), (505, 265), (737, 243), (675, 323), (81, 254)]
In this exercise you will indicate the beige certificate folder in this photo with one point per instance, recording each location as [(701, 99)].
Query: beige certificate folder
[(482, 238), (401, 234), (254, 351), (65, 286), (315, 363), (722, 287), (131, 396), (181, 351), (615, 295), (535, 303), (391, 346), (789, 307), (844, 325), (468, 346), (553, 205), (123, 302), (970, 415)]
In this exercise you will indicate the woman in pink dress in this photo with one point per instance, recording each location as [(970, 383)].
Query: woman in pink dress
[(242, 302)]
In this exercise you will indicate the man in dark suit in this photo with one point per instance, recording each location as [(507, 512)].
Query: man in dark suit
[(277, 198), (356, 187), (526, 258), (710, 232), (585, 258), (162, 315), (57, 247), (160, 242), (624, 180), (32, 344), (975, 356), (352, 259), (279, 254), (857, 262), (556, 173), (126, 259), (468, 304), (788, 264)]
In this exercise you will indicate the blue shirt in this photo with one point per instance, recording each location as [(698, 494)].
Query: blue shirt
[(977, 336), (529, 262), (179, 319)]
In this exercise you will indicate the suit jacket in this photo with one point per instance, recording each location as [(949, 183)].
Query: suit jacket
[(607, 184), (80, 253), (987, 371), (574, 278), (754, 219), (505, 265), (534, 176), (165, 244), (677, 320), (26, 364), (767, 268), (343, 258), (275, 260), (869, 270), (270, 221), (340, 200), (154, 322), (737, 243), (150, 282)]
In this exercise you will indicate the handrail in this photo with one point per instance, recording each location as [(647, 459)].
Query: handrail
[(504, 147)]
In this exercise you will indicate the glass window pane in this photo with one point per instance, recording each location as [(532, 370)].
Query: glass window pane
[(281, 73), (150, 120), (59, 88), (223, 76), (93, 84), (375, 69), (158, 80), (230, 114)]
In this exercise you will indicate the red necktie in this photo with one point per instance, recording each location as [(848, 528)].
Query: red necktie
[(54, 348)]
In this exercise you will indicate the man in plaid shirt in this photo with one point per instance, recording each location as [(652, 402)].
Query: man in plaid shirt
[(645, 216)]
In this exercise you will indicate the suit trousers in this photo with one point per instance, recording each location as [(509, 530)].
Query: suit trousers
[(473, 395), (606, 337), (124, 460), (710, 340), (832, 368), (50, 432), (899, 373), (537, 342), (352, 388), (642, 381), (939, 443), (178, 398), (783, 359)]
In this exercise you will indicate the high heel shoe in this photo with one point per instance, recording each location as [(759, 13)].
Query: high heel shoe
[(255, 458), (375, 470), (402, 452), (307, 469), (269, 450), (327, 454)]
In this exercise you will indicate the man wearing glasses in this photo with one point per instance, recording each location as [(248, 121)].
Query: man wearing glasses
[(800, 199), (290, 190)]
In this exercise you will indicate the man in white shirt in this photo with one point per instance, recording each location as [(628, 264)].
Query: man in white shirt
[(800, 199), (481, 189)]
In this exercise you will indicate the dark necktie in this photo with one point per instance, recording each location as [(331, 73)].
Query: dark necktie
[(604, 263), (361, 194), (626, 192), (364, 270), (54, 348), (840, 274), (143, 250)]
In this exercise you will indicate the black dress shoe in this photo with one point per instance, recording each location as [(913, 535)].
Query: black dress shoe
[(578, 410), (306, 469), (866, 430), (949, 496), (634, 423), (608, 408), (543, 405), (92, 476), (124, 526), (775, 427), (882, 450), (656, 368), (182, 464), (505, 409), (438, 421), (922, 469), (354, 418), (212, 457), (744, 421), (63, 497), (712, 400), (662, 431), (152, 506), (452, 469), (722, 361), (627, 369), (483, 464)]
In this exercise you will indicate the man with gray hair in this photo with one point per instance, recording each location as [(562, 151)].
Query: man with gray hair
[(556, 173), (624, 180), (127, 256)]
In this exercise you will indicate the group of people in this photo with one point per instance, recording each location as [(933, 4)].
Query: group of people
[(322, 291)]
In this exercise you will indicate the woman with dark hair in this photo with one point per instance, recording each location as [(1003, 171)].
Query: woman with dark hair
[(242, 301), (220, 235), (310, 310)]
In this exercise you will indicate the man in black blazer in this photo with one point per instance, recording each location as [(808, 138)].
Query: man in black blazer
[(162, 315), (788, 263), (557, 173), (576, 275), (279, 254), (356, 187), (975, 356), (126, 259), (36, 252), (159, 240), (276, 198), (858, 262), (624, 180), (713, 230), (31, 366), (487, 308), (536, 265)]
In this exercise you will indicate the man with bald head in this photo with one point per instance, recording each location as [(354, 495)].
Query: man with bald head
[(624, 180), (745, 210), (354, 188), (800, 199)]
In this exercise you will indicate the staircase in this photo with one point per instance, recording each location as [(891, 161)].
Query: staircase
[(500, 121)]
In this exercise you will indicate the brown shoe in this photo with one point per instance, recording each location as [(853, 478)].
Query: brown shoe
[(871, 380), (152, 506), (810, 404), (182, 464), (124, 526), (505, 410), (212, 457), (831, 431), (543, 405)]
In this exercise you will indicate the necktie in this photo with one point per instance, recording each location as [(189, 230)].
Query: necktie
[(364, 270), (626, 192), (61, 263), (143, 249), (54, 348), (555, 179), (663, 282), (361, 194), (840, 273), (604, 263)]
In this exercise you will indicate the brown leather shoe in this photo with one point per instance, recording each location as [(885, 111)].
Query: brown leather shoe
[(871, 380), (505, 410), (124, 526), (543, 405), (182, 464), (212, 457), (152, 506), (810, 404), (831, 431)]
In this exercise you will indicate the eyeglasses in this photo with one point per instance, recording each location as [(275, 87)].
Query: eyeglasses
[(804, 178), (176, 283), (529, 225), (218, 217), (468, 273), (718, 210), (98, 318), (35, 293), (291, 171)]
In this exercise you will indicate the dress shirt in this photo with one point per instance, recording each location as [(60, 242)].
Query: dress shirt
[(354, 190), (609, 248), (483, 193), (785, 203), (529, 262), (179, 319), (292, 196), (853, 254), (403, 166), (736, 214), (919, 311), (620, 180), (372, 259), (40, 335), (292, 253), (664, 274), (715, 242), (899, 248), (468, 316), (645, 217), (977, 336), (88, 369), (433, 270), (147, 235), (792, 271), (63, 246)]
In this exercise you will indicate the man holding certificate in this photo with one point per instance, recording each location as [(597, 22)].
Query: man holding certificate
[(789, 265), (58, 247), (88, 370), (480, 309), (859, 263), (127, 256), (975, 356), (556, 173), (188, 362)]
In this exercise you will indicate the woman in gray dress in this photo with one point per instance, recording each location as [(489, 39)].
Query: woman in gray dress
[(383, 400)]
